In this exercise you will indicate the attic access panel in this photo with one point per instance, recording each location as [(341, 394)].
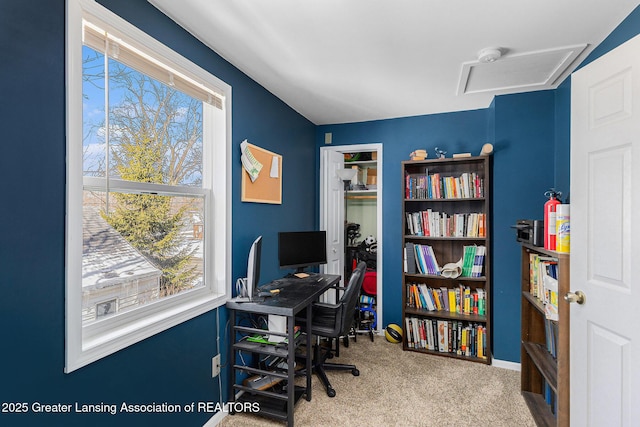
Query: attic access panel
[(524, 72)]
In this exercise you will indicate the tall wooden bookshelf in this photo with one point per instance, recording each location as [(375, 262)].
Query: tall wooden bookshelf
[(544, 355), (458, 192)]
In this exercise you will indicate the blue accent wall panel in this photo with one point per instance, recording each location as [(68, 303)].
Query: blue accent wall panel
[(562, 152), (523, 169)]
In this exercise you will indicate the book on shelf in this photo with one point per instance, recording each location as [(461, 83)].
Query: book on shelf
[(551, 337), (466, 307), (435, 268), (443, 336), (408, 331), (451, 293), (447, 336), (411, 258), (550, 297), (437, 298), (539, 267), (460, 300), (431, 223), (422, 332), (421, 259), (431, 338), (444, 292), (481, 302), (476, 270), (468, 185), (468, 257), (473, 260), (428, 296)]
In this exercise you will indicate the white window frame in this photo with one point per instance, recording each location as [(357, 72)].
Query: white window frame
[(84, 345)]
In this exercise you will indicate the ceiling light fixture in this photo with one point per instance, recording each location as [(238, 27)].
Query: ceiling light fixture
[(489, 54)]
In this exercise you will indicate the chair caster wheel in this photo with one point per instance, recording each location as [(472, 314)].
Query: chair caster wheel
[(355, 372), (331, 392)]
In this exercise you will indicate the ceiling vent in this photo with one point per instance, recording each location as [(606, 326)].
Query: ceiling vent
[(519, 72)]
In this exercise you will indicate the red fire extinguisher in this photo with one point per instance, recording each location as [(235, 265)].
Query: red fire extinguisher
[(550, 218)]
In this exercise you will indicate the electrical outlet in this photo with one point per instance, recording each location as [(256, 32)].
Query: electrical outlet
[(215, 366)]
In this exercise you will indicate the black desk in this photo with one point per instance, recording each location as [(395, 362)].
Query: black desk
[(295, 295)]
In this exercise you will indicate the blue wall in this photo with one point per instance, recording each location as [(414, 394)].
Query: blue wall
[(173, 366), (562, 152), (523, 165)]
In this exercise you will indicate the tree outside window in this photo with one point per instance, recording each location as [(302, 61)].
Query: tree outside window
[(152, 134)]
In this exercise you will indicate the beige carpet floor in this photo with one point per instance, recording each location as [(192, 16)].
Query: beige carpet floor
[(402, 388)]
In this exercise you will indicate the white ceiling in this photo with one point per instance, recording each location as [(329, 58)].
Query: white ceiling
[(340, 61)]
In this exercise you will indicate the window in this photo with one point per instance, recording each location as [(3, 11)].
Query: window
[(147, 200)]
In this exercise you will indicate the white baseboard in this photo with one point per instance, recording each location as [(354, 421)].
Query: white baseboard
[(216, 419), (505, 364)]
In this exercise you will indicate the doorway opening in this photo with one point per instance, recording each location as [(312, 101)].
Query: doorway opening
[(351, 213)]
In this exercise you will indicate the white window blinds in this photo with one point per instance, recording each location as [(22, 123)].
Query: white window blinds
[(133, 55)]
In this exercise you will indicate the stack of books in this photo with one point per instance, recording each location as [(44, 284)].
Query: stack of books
[(418, 155)]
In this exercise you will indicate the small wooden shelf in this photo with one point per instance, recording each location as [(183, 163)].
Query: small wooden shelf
[(458, 200), (537, 365), (450, 355), (447, 279), (540, 409), (544, 362), (445, 315), (412, 237)]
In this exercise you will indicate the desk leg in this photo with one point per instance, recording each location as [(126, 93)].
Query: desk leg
[(308, 360), (232, 355), (291, 357)]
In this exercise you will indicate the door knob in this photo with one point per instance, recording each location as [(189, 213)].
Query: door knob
[(578, 297)]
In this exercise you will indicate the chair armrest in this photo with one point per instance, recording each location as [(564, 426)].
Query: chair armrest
[(337, 289), (337, 286), (326, 305)]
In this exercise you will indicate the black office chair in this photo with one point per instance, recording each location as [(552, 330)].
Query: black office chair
[(333, 321)]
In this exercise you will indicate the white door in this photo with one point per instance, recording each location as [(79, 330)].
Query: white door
[(605, 239), (332, 219)]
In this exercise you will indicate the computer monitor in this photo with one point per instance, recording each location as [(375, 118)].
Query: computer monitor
[(302, 249), (253, 269)]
